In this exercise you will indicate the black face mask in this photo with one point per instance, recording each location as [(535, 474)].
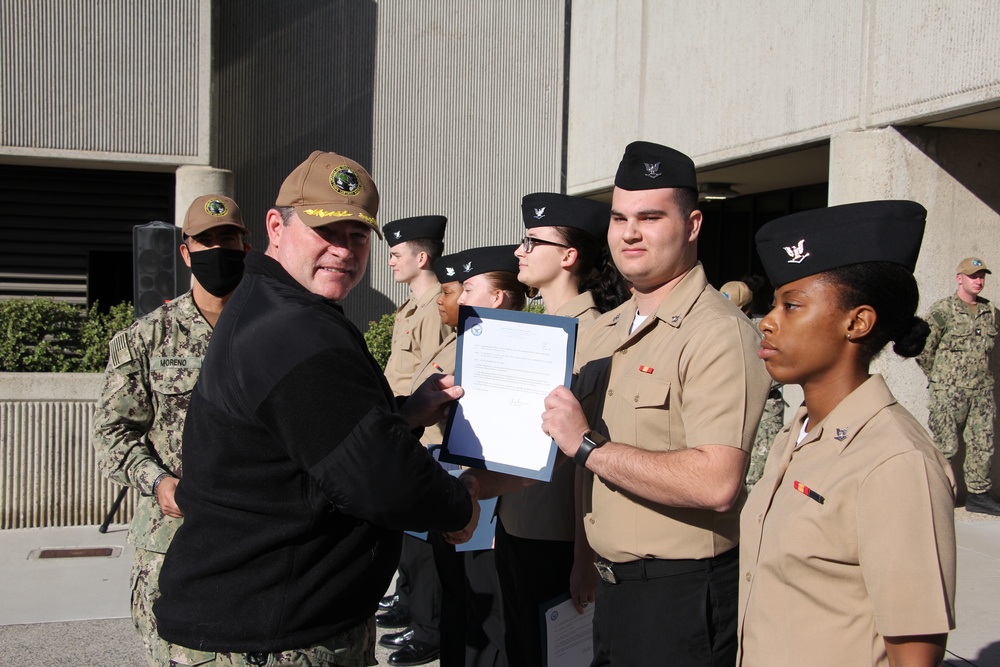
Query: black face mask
[(218, 270)]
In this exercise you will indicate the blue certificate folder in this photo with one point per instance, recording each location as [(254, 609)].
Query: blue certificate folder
[(482, 538), (515, 418)]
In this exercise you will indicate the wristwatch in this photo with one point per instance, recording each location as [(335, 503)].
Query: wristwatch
[(156, 482), (591, 441)]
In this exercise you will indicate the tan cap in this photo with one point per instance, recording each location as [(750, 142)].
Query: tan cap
[(971, 265), (210, 211), (329, 188), (737, 292)]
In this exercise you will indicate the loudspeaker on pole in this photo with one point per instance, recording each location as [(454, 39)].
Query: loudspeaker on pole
[(159, 272)]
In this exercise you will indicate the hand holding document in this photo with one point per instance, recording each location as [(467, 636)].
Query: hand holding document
[(569, 635), (507, 363)]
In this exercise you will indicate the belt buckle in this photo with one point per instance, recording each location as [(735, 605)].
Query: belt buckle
[(606, 573)]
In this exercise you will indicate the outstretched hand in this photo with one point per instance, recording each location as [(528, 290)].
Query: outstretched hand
[(429, 404), (464, 535)]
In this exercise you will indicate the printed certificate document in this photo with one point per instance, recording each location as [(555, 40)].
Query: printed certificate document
[(569, 636), (507, 362)]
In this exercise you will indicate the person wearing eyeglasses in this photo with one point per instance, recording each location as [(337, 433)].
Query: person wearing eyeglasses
[(564, 258)]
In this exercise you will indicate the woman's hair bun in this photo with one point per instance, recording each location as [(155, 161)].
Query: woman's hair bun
[(911, 342)]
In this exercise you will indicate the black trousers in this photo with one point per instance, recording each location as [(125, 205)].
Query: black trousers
[(531, 572), (471, 608), (424, 589), (676, 613)]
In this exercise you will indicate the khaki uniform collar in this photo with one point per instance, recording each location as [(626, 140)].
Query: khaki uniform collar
[(577, 306), (850, 415), (672, 310)]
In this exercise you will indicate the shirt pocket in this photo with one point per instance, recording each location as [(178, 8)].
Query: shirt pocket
[(958, 341), (643, 406), (173, 383)]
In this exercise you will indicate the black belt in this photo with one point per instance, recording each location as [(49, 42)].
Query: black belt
[(656, 568)]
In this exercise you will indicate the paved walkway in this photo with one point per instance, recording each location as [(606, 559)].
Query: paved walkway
[(74, 611)]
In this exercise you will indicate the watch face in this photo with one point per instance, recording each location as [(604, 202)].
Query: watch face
[(595, 438)]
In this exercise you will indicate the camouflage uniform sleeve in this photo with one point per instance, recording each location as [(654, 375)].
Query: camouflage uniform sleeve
[(124, 416), (938, 323)]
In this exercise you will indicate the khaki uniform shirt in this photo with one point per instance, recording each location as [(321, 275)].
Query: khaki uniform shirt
[(958, 348), (418, 331), (689, 376), (443, 356), (152, 368), (823, 583), (546, 511)]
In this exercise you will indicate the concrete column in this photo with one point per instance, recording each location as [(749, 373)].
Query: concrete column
[(192, 182), (955, 174)]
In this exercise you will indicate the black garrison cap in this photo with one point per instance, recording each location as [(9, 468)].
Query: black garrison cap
[(548, 209), (472, 262), (649, 166), (419, 227), (810, 242)]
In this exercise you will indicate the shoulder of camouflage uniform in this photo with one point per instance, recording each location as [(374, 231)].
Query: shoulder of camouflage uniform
[(940, 312), (119, 350), (121, 346)]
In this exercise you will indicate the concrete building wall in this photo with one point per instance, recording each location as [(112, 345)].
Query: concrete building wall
[(48, 469), (954, 174), (468, 119), (726, 81), (115, 81)]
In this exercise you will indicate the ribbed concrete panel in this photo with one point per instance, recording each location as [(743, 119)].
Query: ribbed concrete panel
[(293, 76), (115, 79), (48, 474), (468, 116)]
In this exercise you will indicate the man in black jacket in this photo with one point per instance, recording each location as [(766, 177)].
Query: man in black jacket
[(300, 470)]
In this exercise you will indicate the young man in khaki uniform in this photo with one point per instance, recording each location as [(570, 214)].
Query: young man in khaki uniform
[(415, 606), (414, 244), (677, 391), (956, 361)]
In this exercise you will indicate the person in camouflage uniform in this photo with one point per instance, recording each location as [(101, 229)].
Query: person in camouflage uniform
[(774, 409), (956, 361), (152, 368)]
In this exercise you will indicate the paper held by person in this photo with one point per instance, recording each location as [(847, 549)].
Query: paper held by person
[(507, 363)]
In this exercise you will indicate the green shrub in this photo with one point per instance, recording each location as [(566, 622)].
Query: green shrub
[(97, 330), (379, 338), (535, 305), (46, 336)]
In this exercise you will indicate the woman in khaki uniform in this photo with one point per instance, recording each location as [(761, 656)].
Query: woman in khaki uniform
[(564, 256), (472, 631), (847, 541)]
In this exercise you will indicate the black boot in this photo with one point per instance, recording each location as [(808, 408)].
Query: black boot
[(982, 503)]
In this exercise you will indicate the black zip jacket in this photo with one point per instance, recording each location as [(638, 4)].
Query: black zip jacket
[(298, 478)]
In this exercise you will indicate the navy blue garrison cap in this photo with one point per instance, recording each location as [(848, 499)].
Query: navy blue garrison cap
[(418, 227), (548, 209), (810, 242), (649, 166), (463, 265)]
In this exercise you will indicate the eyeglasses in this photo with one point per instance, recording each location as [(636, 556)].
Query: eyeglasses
[(529, 243)]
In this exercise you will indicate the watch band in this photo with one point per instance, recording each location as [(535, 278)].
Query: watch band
[(157, 481), (591, 441)]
